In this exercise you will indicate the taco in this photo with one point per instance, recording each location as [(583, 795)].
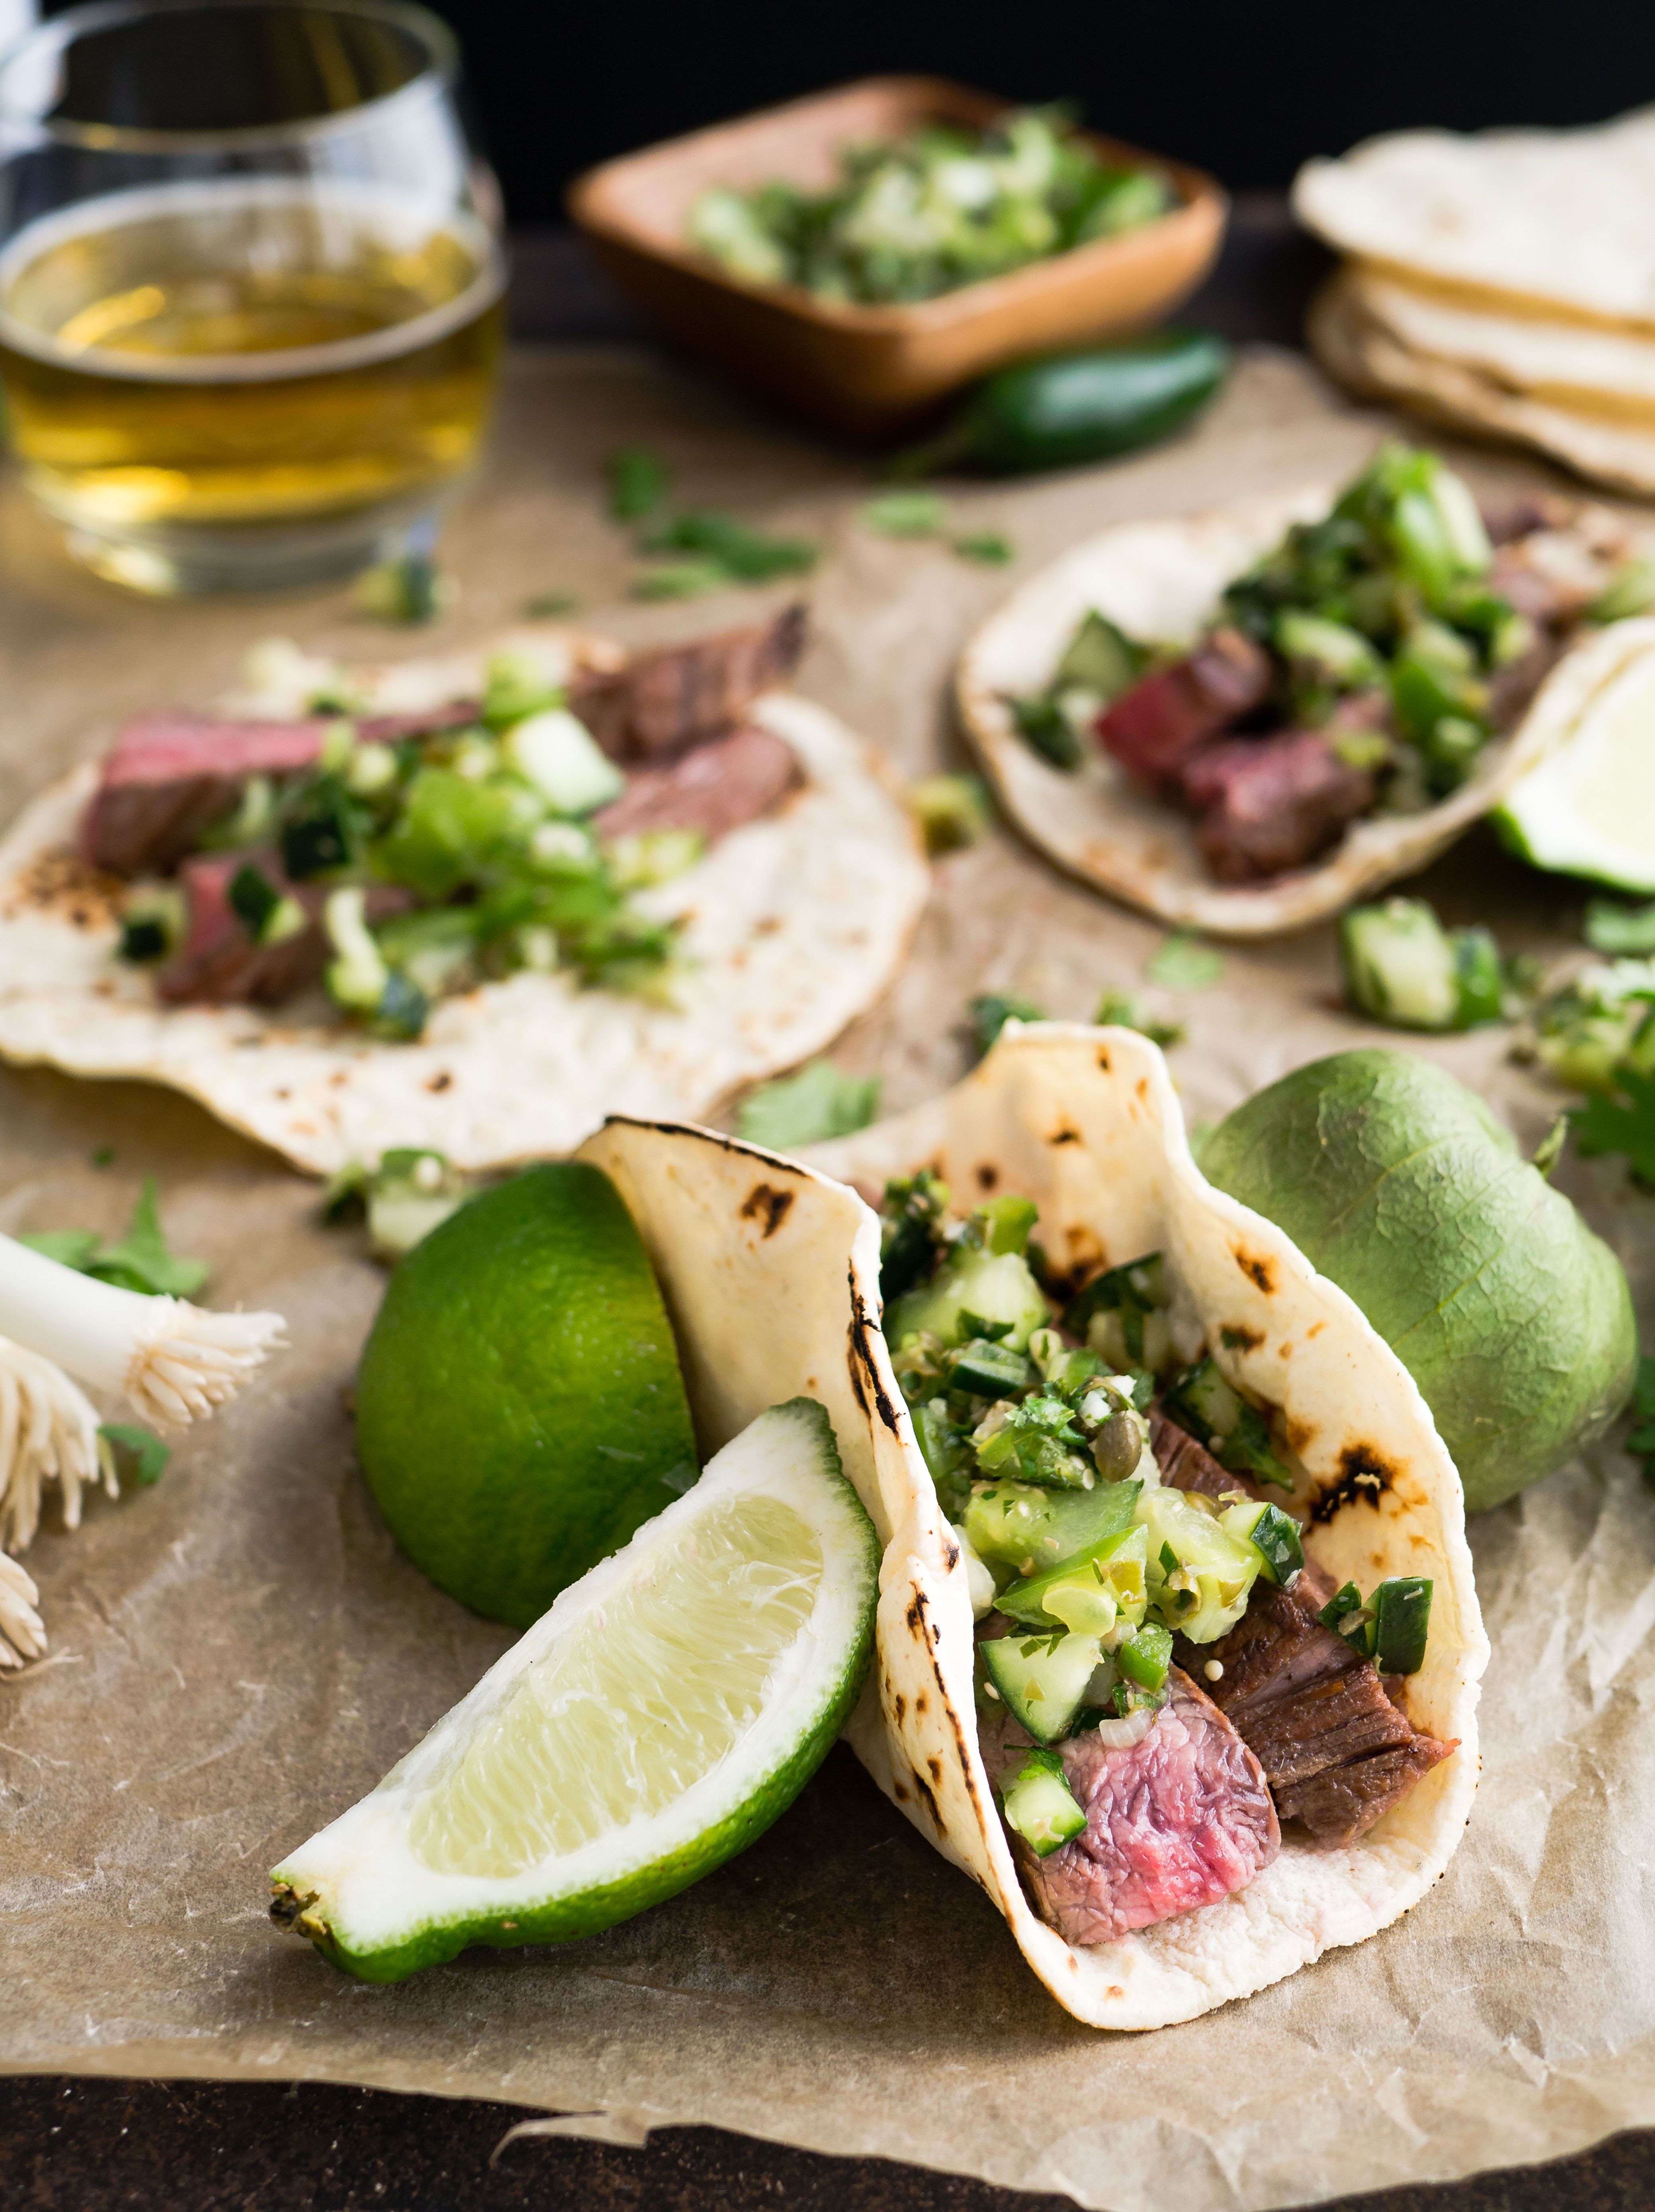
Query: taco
[(1178, 1644), (1242, 720), (468, 904)]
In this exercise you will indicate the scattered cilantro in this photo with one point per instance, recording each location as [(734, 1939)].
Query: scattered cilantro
[(990, 1013), (1623, 1123), (1620, 929), (1183, 963), (804, 1109), (139, 1456), (1641, 1441), (638, 482), (546, 607), (103, 1156), (952, 811), (140, 1260), (1121, 1010), (746, 556), (679, 579), (991, 549), (905, 514)]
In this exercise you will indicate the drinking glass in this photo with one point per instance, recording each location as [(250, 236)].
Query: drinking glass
[(250, 283)]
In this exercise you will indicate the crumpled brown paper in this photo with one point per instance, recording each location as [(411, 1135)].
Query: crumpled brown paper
[(240, 1652)]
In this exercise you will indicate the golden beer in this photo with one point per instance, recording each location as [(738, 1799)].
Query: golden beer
[(247, 355)]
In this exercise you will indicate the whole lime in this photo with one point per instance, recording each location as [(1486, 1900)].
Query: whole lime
[(1400, 1185), (519, 1410)]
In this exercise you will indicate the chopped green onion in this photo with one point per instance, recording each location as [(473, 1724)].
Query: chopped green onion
[(1401, 1607), (638, 482), (952, 811), (986, 1370), (905, 514), (410, 589), (990, 548), (1146, 1655)]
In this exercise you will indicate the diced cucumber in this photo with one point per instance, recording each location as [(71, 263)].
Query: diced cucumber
[(1401, 1609), (1403, 968), (562, 759), (1088, 1594), (1144, 1658), (1217, 1415), (1039, 1803), (1100, 657), (1042, 1679), (1273, 1536), (1200, 1575), (1019, 1525), (994, 1286), (1006, 1222), (991, 1370), (1341, 655)]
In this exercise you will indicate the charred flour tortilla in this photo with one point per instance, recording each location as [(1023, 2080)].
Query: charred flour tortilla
[(1161, 581), (1085, 1123), (794, 924)]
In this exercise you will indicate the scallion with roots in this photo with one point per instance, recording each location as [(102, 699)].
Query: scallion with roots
[(23, 1633), (174, 1362)]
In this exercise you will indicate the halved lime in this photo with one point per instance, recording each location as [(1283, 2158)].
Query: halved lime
[(670, 1705), (1588, 808)]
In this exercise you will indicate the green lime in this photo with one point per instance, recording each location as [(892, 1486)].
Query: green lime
[(520, 1408), (665, 1711)]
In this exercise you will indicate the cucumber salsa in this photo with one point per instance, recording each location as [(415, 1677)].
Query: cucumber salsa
[(1122, 1509)]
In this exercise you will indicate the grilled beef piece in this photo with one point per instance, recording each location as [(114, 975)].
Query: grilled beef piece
[(1547, 580), (1505, 520), (1270, 804), (1337, 1752), (663, 703), (1190, 1465), (1511, 688), (218, 963), (1153, 728), (714, 789), (170, 776), (1177, 1820)]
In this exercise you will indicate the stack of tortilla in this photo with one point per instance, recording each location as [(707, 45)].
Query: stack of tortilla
[(1502, 284)]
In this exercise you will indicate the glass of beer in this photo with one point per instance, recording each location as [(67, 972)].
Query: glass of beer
[(251, 288)]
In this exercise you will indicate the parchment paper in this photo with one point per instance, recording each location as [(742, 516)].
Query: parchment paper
[(240, 1652)]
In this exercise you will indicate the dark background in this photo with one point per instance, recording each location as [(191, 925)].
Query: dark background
[(1246, 88)]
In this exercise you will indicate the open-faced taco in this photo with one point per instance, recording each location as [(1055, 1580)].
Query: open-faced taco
[(1178, 1646), (1242, 720), (470, 904)]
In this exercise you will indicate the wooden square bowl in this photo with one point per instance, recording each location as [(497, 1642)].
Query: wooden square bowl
[(874, 372)]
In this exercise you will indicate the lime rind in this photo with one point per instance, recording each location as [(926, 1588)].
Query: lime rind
[(359, 1889)]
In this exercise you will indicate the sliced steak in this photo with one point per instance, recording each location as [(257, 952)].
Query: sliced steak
[(219, 964), (1511, 688), (1268, 804), (713, 789), (663, 703), (173, 775), (1153, 728), (387, 729), (1337, 1752), (1190, 1465), (1521, 513), (1177, 1820)]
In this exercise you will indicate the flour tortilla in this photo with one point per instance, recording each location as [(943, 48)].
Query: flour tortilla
[(1084, 1121), (1554, 220), (1363, 350), (1569, 365), (797, 923), (1161, 581)]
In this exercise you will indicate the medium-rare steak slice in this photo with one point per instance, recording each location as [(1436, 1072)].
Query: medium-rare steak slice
[(663, 703), (1153, 728), (170, 776), (219, 964), (1187, 1465), (1270, 804), (1177, 1820), (713, 789)]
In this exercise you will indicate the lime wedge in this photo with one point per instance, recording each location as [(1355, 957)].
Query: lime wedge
[(1588, 808), (660, 1716)]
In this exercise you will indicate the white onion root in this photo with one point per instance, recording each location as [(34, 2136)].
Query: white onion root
[(23, 1633), (48, 1433)]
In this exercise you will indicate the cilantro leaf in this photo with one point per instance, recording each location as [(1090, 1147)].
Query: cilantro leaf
[(905, 514), (638, 480), (1624, 1124), (140, 1260), (1183, 963), (804, 1109), (990, 1013), (139, 1456)]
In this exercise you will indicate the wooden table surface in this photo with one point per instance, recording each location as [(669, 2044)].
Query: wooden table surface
[(85, 2144)]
